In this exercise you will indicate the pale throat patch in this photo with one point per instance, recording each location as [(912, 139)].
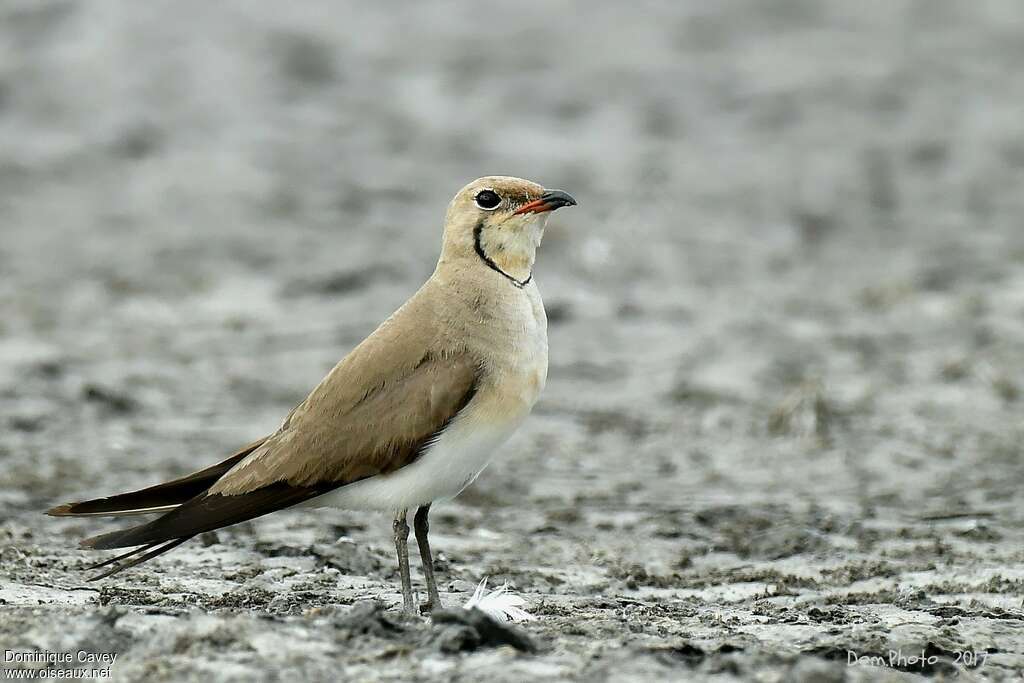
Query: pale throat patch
[(513, 248)]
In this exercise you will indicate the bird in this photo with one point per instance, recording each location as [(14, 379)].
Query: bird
[(410, 416)]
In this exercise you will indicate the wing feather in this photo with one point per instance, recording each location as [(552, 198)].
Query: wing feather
[(158, 498), (322, 447)]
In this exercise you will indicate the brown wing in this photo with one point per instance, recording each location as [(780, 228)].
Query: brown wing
[(332, 439), (159, 498)]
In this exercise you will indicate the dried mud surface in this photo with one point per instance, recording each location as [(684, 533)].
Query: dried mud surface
[(783, 416)]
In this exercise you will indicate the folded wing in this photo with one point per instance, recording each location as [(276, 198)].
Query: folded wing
[(376, 412)]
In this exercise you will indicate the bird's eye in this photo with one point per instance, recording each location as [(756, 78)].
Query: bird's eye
[(487, 199)]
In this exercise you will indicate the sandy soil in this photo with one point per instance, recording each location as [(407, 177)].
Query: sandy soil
[(782, 420)]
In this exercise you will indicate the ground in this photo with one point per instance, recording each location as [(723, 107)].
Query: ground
[(782, 421)]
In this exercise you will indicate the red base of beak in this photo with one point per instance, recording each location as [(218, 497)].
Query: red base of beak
[(549, 201)]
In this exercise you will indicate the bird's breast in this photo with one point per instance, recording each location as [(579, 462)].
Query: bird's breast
[(518, 360)]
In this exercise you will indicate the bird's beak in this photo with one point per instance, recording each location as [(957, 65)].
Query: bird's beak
[(549, 201)]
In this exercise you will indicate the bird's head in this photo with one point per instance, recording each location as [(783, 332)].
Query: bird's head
[(499, 221)]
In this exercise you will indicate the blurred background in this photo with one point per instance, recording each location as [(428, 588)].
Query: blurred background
[(786, 319)]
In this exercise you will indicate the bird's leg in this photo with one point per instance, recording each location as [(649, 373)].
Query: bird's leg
[(422, 527), (401, 529)]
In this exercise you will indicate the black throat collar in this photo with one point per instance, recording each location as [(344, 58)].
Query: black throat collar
[(477, 231)]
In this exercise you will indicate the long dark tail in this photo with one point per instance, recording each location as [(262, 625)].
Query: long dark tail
[(138, 559), (164, 497), (159, 498)]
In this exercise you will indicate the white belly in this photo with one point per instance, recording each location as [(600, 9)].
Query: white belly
[(450, 465)]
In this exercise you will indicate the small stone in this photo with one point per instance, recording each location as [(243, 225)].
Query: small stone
[(489, 632), (456, 638)]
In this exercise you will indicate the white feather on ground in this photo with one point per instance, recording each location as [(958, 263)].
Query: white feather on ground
[(498, 604)]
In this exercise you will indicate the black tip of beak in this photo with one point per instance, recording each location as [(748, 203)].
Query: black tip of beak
[(549, 201), (556, 199)]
